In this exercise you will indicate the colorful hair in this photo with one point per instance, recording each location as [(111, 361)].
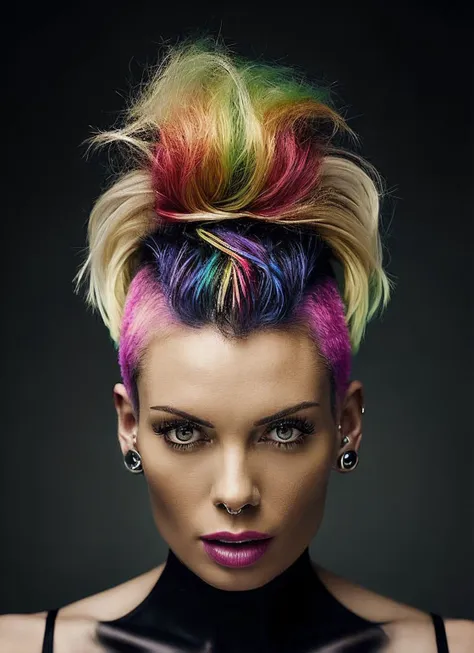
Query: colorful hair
[(238, 204)]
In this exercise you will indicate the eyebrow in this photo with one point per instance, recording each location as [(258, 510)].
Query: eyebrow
[(260, 422)]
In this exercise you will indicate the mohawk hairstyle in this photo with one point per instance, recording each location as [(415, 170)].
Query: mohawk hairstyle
[(235, 205)]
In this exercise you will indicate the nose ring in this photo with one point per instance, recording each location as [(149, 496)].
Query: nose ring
[(233, 512)]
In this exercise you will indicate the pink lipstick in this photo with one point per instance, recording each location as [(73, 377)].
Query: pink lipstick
[(236, 549)]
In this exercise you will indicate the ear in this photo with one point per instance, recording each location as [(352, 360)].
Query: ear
[(127, 422), (351, 420)]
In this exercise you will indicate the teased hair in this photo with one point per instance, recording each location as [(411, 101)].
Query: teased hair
[(234, 201)]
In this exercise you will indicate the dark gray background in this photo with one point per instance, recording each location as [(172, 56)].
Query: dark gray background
[(74, 521)]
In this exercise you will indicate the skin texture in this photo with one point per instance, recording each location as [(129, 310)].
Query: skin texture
[(232, 384)]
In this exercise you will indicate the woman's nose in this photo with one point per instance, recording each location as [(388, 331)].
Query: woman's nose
[(234, 486)]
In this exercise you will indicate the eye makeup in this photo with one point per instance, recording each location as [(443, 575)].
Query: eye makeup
[(305, 427)]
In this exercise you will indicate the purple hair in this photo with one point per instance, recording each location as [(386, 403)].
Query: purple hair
[(240, 276)]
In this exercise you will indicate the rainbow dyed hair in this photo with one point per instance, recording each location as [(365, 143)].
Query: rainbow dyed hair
[(236, 207)]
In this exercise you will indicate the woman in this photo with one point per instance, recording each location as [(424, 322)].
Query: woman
[(212, 261)]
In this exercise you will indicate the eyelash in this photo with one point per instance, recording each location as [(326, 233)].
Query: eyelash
[(303, 425)]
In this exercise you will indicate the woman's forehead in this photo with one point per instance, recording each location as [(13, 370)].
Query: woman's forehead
[(193, 362), (207, 350)]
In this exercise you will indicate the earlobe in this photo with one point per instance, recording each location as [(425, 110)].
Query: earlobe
[(348, 456), (350, 429)]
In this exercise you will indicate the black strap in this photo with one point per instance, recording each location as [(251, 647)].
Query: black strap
[(49, 631), (440, 632)]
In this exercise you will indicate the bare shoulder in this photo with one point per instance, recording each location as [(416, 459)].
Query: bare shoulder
[(115, 602), (420, 636), (24, 633), (409, 628), (460, 634), (21, 633), (76, 622), (366, 603)]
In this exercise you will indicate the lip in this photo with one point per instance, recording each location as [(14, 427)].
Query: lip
[(232, 554), (226, 536)]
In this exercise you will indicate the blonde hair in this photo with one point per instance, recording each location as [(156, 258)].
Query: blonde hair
[(207, 137)]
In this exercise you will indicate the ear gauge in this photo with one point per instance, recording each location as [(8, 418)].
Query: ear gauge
[(132, 459), (133, 462), (348, 460)]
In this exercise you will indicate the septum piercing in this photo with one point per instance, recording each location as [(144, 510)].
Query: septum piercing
[(231, 511)]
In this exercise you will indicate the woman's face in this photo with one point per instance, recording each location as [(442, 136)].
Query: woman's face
[(280, 467)]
